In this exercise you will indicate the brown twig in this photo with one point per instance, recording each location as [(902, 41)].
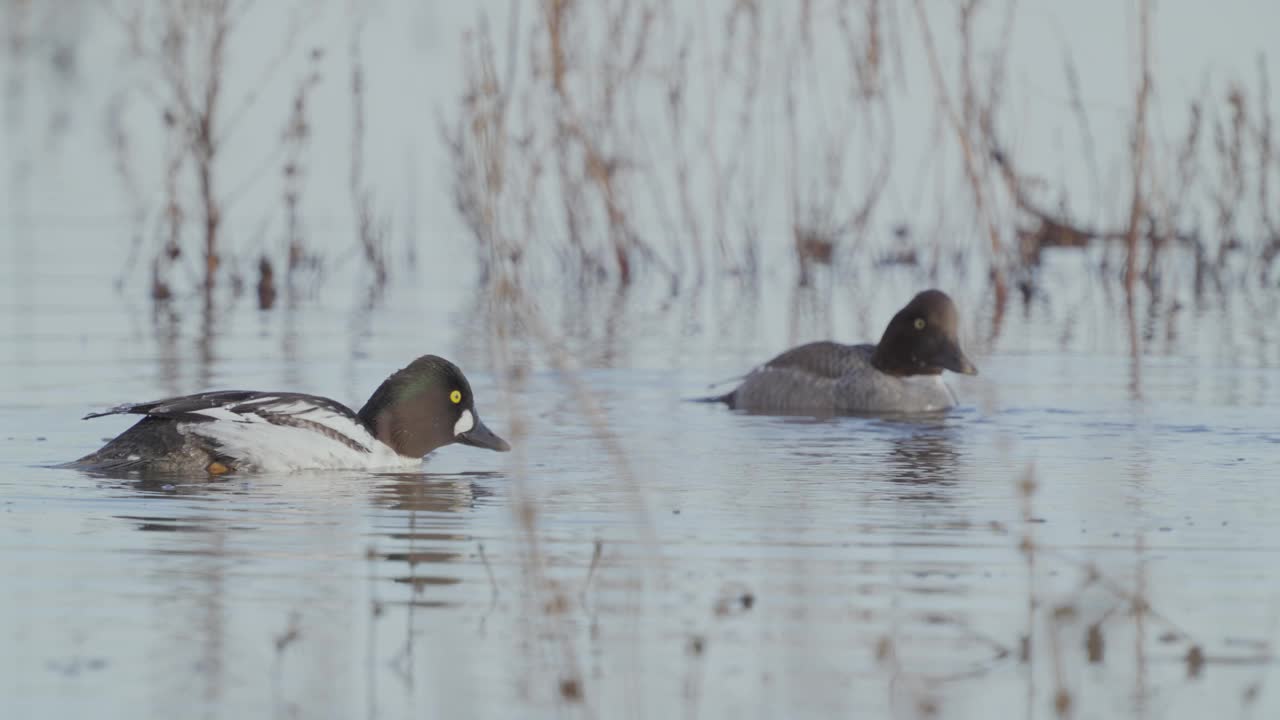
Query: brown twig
[(971, 166)]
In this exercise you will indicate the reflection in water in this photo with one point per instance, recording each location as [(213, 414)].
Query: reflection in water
[(167, 327), (159, 523), (158, 485), (198, 544), (924, 460), (418, 538), (213, 545), (205, 343), (169, 358), (897, 552), (421, 541), (810, 312), (417, 492), (289, 350)]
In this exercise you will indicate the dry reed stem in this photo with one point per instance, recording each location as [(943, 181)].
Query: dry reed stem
[(1137, 202), (189, 49), (1137, 205), (534, 560), (191, 117), (205, 142), (599, 169), (296, 138), (370, 227), (972, 170), (1026, 492), (599, 180)]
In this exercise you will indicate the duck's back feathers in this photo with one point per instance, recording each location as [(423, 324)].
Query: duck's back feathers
[(827, 377), (802, 379), (247, 430), (228, 404), (823, 359)]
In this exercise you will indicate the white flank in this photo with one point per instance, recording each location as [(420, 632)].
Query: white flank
[(254, 440), (465, 423), (932, 392)]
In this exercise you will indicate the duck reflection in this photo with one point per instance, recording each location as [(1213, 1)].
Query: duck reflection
[(420, 536), (192, 561), (416, 492), (922, 460), (211, 544), (415, 518), (168, 487)]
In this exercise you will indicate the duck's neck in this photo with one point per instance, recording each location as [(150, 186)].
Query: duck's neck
[(893, 356), (403, 424)]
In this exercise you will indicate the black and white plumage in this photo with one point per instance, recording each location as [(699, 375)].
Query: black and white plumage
[(418, 409)]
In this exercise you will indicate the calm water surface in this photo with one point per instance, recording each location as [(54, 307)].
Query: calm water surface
[(723, 565)]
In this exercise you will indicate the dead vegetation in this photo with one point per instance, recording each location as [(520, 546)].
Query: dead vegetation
[(179, 90), (633, 140), (619, 140)]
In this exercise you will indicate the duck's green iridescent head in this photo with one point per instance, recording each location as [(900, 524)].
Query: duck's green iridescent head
[(424, 406)]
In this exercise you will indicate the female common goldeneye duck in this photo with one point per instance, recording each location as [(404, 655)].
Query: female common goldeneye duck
[(902, 373), (418, 409)]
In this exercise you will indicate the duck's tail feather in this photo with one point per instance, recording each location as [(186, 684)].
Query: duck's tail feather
[(726, 398)]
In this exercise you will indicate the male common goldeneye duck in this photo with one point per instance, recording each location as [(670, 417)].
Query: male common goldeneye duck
[(900, 374), (418, 409)]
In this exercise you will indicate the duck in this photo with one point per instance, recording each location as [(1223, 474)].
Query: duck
[(422, 407), (900, 374)]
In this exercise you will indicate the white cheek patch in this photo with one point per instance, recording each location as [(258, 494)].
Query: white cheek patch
[(465, 423)]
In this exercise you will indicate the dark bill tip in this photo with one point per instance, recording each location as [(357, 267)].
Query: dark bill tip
[(482, 437), (954, 360), (961, 364)]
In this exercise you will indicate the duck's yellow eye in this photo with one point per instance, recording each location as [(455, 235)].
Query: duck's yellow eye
[(919, 323), (455, 396)]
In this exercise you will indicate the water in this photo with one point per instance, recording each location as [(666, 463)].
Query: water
[(712, 564), (1092, 534)]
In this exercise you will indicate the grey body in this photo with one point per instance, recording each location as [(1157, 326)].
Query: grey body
[(827, 377), (900, 374)]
